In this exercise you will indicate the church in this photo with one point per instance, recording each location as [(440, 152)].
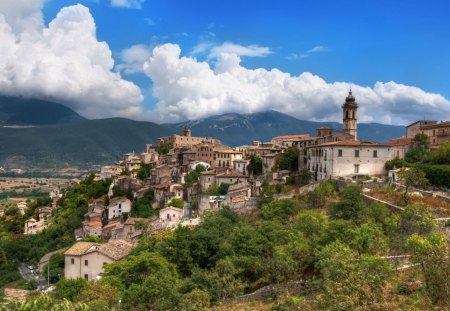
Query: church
[(334, 154)]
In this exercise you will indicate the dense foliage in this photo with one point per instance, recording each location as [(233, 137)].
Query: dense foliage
[(288, 160), (255, 167)]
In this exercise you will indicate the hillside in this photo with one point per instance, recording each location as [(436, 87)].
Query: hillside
[(84, 144), (237, 129), (21, 111)]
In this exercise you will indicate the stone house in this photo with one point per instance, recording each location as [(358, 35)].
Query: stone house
[(400, 146), (87, 260), (170, 216), (268, 161), (438, 133), (207, 179), (238, 193), (22, 206), (163, 193), (117, 206), (348, 159), (230, 177)]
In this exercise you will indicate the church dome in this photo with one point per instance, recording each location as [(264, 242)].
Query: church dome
[(350, 100)]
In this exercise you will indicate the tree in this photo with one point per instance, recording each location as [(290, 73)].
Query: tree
[(305, 176), (142, 208), (412, 177), (288, 160), (432, 253), (351, 205), (223, 188), (196, 300), (350, 281), (419, 149), (56, 264), (416, 218), (178, 203), (99, 296), (144, 171), (163, 149), (440, 155), (69, 288), (255, 167), (280, 210)]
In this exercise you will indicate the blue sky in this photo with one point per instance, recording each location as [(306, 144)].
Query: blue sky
[(182, 60), (365, 41)]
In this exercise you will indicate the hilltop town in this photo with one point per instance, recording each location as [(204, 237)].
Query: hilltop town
[(183, 178)]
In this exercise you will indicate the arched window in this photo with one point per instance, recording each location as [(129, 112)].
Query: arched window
[(353, 114), (346, 113)]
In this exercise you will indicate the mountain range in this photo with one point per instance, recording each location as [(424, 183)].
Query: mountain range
[(40, 134)]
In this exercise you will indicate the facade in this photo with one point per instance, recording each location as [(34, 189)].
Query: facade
[(170, 216), (347, 159), (400, 146), (415, 128), (117, 206), (87, 260), (288, 140)]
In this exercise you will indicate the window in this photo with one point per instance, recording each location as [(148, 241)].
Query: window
[(72, 261), (356, 153), (375, 153), (356, 168), (86, 262), (86, 277), (339, 152)]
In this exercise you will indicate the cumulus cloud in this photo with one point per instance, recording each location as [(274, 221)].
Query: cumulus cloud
[(129, 4), (134, 58), (63, 62), (214, 51), (190, 89)]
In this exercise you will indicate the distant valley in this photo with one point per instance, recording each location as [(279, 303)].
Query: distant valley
[(36, 134)]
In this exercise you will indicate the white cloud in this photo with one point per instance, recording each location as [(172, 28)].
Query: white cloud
[(317, 49), (129, 4), (63, 62), (134, 58), (190, 89), (239, 50)]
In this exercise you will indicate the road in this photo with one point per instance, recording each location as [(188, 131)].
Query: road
[(32, 274)]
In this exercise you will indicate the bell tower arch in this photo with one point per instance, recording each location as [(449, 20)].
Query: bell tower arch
[(350, 115)]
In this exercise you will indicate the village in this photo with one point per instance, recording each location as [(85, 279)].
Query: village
[(185, 176)]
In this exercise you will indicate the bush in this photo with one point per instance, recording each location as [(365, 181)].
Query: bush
[(438, 175)]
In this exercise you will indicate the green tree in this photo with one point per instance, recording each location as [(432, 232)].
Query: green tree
[(416, 218), (280, 210), (144, 171), (419, 149), (432, 253), (56, 264), (305, 176), (223, 188), (142, 208), (412, 177), (70, 288), (440, 155), (163, 149), (99, 296), (178, 203), (349, 281), (195, 300), (288, 160), (255, 167), (351, 206)]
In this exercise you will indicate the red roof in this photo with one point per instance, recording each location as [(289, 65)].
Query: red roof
[(296, 136), (402, 141), (352, 143)]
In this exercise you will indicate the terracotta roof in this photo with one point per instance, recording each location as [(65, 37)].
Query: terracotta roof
[(237, 187), (231, 174), (295, 136), (80, 248), (351, 143), (162, 186), (172, 207), (402, 141), (116, 249), (211, 172)]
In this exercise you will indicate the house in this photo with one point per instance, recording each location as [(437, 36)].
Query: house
[(22, 206), (87, 260), (170, 216), (111, 171), (224, 156), (400, 146), (240, 165), (347, 159), (238, 193), (438, 133), (165, 192), (117, 206), (130, 230), (268, 161), (207, 179), (288, 140), (230, 177), (33, 226)]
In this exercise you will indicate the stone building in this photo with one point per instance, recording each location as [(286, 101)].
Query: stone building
[(87, 260), (438, 133)]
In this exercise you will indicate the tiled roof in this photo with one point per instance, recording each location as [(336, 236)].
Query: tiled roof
[(402, 141), (80, 248), (351, 143), (116, 249), (296, 136), (231, 173)]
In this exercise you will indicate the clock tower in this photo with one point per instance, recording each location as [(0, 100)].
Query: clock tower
[(350, 117)]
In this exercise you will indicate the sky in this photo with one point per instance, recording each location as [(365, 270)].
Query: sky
[(173, 60)]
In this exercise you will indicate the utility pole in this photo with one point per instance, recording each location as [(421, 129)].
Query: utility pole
[(48, 274)]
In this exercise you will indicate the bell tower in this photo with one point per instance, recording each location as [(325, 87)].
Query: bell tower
[(350, 117)]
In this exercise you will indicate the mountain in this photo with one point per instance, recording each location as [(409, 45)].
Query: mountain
[(238, 129), (78, 144), (47, 134), (22, 111)]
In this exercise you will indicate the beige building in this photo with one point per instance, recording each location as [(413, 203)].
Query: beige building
[(437, 133), (186, 140), (400, 146), (347, 159), (288, 140), (117, 206), (170, 216), (33, 226), (87, 260)]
